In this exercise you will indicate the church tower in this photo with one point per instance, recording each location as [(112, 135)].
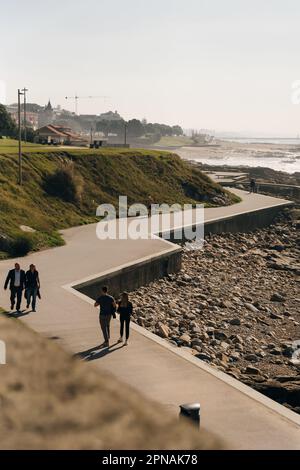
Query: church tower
[(46, 116)]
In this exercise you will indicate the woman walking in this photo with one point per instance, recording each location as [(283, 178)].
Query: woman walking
[(125, 310), (32, 286)]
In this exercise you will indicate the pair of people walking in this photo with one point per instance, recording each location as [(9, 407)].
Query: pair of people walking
[(18, 281), (108, 308)]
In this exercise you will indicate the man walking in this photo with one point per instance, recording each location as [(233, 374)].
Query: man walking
[(16, 281), (32, 283), (107, 306), (252, 185)]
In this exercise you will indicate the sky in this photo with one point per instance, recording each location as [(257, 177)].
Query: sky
[(223, 65)]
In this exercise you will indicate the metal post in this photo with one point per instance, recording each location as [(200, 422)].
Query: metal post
[(125, 134), (25, 117), (20, 137), (190, 412)]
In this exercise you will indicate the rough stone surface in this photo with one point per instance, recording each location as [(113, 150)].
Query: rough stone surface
[(236, 309)]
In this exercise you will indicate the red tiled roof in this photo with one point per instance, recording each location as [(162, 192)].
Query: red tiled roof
[(58, 130)]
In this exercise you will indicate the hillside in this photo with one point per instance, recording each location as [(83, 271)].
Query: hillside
[(103, 175)]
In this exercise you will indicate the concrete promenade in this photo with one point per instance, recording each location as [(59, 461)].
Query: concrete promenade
[(242, 417)]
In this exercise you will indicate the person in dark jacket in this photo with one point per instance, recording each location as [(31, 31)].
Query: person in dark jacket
[(125, 310), (32, 286), (107, 306), (253, 188), (16, 281)]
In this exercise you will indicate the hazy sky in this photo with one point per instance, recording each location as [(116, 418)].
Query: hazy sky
[(224, 65)]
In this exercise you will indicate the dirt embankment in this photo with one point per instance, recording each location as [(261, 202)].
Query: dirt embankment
[(50, 400)]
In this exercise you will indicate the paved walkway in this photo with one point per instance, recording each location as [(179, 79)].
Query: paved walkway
[(242, 417)]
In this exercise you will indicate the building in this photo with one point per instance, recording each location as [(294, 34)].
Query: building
[(32, 117), (46, 115), (110, 116), (59, 135)]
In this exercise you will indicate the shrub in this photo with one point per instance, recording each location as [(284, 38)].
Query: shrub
[(21, 245), (64, 183)]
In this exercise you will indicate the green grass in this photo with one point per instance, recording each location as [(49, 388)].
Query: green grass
[(8, 146), (107, 173)]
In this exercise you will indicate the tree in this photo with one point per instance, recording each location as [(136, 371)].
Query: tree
[(135, 128), (177, 130), (8, 126)]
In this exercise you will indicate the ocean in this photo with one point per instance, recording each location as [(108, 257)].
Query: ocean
[(284, 156)]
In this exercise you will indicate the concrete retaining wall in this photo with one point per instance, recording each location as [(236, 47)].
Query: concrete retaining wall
[(280, 190), (134, 276), (245, 222), (142, 273)]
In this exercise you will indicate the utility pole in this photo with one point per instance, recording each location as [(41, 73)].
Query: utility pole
[(20, 137), (25, 131), (125, 133)]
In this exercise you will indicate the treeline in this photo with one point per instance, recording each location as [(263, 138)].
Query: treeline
[(136, 129), (9, 128)]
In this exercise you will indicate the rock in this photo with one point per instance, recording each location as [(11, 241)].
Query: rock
[(225, 304), (222, 357), (252, 370), (251, 307), (141, 321), (235, 321), (187, 278), (251, 357), (203, 336), (196, 342), (163, 330), (275, 351), (288, 351), (224, 345), (275, 316), (235, 356), (276, 297), (236, 339), (220, 335), (204, 357), (185, 339)]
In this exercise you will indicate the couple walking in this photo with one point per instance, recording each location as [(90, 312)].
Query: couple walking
[(18, 280), (108, 308)]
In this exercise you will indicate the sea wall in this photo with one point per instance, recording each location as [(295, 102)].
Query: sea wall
[(139, 274), (131, 277)]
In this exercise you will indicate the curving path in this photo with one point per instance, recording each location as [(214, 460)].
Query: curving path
[(242, 417)]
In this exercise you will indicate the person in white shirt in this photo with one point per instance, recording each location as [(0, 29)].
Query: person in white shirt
[(16, 281)]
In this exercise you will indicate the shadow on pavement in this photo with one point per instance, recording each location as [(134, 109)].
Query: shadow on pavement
[(97, 352), (16, 314)]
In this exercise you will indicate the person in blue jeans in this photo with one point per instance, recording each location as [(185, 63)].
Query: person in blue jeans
[(32, 285)]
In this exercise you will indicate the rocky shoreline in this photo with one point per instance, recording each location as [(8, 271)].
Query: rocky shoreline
[(236, 305)]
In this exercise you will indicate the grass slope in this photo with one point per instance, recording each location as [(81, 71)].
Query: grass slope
[(107, 174)]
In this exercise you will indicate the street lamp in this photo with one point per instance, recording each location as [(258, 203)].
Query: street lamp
[(20, 136)]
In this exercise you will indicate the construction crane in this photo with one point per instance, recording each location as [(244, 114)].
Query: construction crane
[(76, 98)]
